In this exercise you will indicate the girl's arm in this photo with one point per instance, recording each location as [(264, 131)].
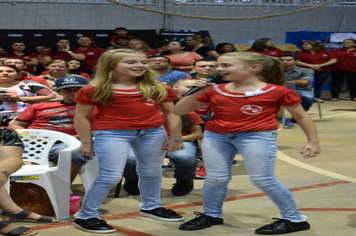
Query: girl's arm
[(188, 103), (174, 125), (311, 149), (83, 128)]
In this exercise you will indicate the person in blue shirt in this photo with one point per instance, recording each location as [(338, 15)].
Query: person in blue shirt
[(161, 64)]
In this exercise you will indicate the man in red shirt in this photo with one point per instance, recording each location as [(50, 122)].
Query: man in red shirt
[(57, 116), (23, 75)]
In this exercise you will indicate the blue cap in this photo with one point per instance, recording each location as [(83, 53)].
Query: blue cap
[(71, 81)]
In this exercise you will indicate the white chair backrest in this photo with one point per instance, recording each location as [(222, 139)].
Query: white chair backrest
[(39, 142)]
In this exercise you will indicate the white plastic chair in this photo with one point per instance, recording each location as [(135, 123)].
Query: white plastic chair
[(88, 172), (54, 179)]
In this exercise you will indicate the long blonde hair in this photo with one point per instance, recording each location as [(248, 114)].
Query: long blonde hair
[(271, 72), (106, 74)]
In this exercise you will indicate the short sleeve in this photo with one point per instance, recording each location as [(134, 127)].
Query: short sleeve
[(84, 95), (204, 97), (289, 98), (171, 95)]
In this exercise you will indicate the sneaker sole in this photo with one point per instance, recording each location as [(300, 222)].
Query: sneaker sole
[(161, 218), (94, 231)]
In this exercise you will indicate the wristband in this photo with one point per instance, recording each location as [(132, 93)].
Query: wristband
[(176, 139), (24, 99), (5, 172)]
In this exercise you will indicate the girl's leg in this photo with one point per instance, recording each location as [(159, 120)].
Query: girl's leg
[(218, 155), (149, 154), (111, 148), (259, 150)]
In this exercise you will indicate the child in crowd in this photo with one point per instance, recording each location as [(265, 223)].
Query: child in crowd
[(119, 32), (244, 118), (129, 101)]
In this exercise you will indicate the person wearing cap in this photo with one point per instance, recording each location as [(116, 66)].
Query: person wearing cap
[(57, 116)]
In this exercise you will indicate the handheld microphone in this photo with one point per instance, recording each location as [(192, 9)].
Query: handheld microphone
[(209, 79)]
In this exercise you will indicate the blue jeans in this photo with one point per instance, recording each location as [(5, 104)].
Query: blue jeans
[(111, 148), (184, 161), (258, 149), (307, 98)]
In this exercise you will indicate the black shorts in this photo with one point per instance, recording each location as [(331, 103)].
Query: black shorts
[(10, 137)]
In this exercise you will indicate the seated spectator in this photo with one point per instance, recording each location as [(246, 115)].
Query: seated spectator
[(181, 59), (302, 77), (16, 96), (87, 46), (23, 75), (61, 50), (19, 50), (161, 46), (161, 64), (38, 50), (265, 46), (57, 116), (198, 44), (75, 68), (11, 150), (142, 46), (119, 32), (122, 42), (223, 48), (56, 69)]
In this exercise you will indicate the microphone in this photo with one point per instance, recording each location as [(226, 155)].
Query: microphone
[(209, 79)]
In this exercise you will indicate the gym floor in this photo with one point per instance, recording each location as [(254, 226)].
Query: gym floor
[(324, 188)]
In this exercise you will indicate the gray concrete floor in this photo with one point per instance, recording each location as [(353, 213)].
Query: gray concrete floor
[(324, 188)]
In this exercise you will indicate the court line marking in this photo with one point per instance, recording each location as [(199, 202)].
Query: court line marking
[(283, 157)]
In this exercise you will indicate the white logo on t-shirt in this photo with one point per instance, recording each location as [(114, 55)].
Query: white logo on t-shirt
[(251, 109)]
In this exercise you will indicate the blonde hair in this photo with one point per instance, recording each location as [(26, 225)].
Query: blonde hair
[(143, 43), (271, 72), (106, 74)]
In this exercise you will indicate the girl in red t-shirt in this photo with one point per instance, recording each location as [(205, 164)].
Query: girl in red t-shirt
[(129, 101), (244, 118)]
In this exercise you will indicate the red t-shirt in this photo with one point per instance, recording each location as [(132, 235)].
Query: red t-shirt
[(318, 57), (194, 119), (114, 37), (37, 79), (127, 110), (55, 116), (250, 111), (92, 56), (59, 55), (346, 60), (25, 57), (270, 52)]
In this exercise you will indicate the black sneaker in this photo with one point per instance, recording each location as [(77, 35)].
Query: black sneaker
[(282, 226), (93, 225), (181, 188), (131, 187), (162, 213), (201, 221)]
